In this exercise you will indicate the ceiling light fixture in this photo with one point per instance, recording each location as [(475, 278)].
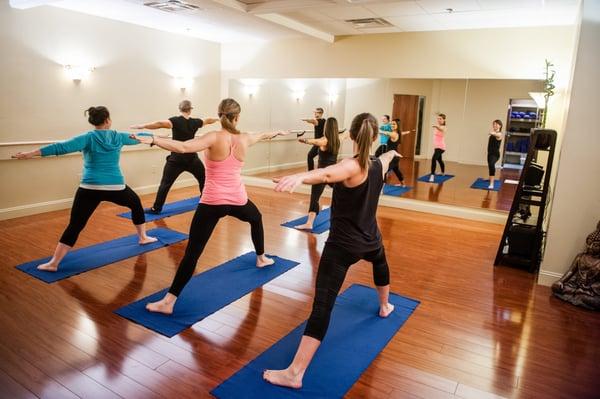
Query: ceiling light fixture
[(78, 72)]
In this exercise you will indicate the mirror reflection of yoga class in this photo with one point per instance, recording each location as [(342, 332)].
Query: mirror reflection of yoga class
[(476, 159)]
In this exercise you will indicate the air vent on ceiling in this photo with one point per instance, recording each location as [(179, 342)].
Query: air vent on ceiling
[(367, 23), (172, 6)]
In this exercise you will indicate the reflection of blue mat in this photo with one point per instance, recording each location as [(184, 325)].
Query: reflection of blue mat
[(88, 258), (397, 191), (355, 337), (171, 209), (483, 184), (437, 179), (206, 293), (320, 225)]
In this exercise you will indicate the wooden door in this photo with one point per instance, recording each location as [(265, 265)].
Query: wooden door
[(406, 108)]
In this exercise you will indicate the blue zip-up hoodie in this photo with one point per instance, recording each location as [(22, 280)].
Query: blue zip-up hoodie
[(101, 152)]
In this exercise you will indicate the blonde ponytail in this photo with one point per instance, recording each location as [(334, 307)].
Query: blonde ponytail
[(229, 110), (363, 131)]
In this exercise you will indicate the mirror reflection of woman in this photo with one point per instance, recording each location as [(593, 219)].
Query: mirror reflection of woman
[(439, 145), (493, 150), (394, 145), (328, 150)]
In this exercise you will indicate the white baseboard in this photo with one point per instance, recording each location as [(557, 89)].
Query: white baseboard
[(65, 203), (406, 203), (548, 278)]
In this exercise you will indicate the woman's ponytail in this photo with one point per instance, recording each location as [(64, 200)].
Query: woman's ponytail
[(229, 110), (363, 131)]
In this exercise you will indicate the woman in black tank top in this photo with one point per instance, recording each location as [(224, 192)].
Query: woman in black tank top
[(493, 150), (329, 146), (394, 145), (354, 235)]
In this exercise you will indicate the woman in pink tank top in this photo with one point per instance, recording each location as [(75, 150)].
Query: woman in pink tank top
[(224, 193), (439, 145)]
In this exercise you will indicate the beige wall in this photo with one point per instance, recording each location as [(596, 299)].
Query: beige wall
[(134, 74), (576, 200)]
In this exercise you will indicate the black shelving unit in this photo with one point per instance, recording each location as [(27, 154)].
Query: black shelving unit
[(523, 116), (523, 237)]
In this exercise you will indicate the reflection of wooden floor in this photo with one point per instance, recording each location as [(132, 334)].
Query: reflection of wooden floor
[(478, 329), (455, 191)]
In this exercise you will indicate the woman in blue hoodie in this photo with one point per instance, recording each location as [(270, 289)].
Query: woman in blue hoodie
[(102, 179)]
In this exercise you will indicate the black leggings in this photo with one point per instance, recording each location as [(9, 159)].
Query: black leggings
[(492, 159), (85, 203), (173, 168), (315, 194), (334, 264), (395, 167), (437, 156), (204, 221), (310, 157)]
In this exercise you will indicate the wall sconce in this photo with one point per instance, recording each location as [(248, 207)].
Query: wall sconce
[(183, 83), (77, 72), (298, 95), (251, 90), (539, 98)]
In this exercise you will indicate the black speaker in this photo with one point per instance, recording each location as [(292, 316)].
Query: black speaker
[(543, 138), (521, 240), (533, 175)]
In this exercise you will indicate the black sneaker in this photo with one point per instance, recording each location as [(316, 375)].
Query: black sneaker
[(154, 211)]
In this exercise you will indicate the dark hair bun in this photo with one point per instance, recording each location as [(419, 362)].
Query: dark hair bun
[(97, 115)]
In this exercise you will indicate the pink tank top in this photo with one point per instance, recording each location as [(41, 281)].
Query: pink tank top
[(438, 140), (223, 184)]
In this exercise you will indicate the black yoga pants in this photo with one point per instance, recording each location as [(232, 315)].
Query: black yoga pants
[(173, 168), (437, 157), (85, 203), (492, 159), (204, 221), (334, 264)]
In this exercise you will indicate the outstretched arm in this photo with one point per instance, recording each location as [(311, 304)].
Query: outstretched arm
[(440, 128), (166, 124), (497, 135), (404, 133), (183, 147), (27, 154), (331, 174), (209, 121), (312, 121), (254, 138), (321, 142)]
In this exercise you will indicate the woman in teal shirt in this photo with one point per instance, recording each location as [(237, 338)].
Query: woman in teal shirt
[(102, 180)]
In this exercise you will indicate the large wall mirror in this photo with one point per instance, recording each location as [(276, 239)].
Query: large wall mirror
[(470, 106)]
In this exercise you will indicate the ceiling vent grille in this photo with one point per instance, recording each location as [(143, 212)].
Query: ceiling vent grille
[(178, 6), (367, 23)]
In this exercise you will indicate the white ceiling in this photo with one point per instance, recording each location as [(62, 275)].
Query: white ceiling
[(242, 20)]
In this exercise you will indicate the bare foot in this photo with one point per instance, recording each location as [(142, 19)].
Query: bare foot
[(147, 240), (385, 310), (48, 267), (284, 378), (162, 306), (305, 226), (262, 261)]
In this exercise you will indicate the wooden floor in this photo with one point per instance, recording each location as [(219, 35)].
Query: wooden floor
[(480, 331), (456, 191)]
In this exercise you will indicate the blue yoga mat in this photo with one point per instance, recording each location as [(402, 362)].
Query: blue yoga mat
[(397, 191), (320, 225), (483, 184), (88, 258), (170, 209), (206, 293), (355, 337), (437, 179)]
